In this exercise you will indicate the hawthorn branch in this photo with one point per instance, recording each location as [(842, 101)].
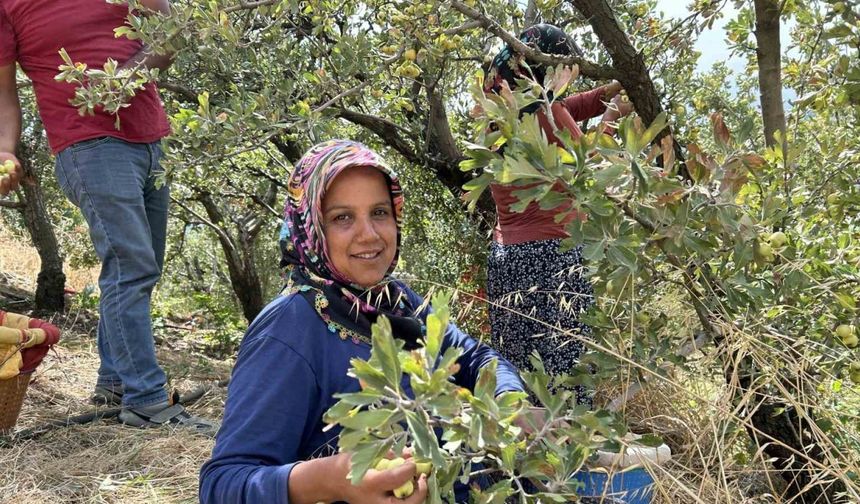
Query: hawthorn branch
[(15, 205), (250, 5), (586, 68), (218, 230), (468, 25), (389, 132), (629, 65), (184, 92)]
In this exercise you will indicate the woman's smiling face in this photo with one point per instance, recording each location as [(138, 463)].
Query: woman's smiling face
[(359, 225)]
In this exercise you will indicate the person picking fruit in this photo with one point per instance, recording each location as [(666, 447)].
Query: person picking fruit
[(109, 174), (339, 245), (528, 276)]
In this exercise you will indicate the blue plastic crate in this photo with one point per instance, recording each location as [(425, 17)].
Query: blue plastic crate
[(633, 486)]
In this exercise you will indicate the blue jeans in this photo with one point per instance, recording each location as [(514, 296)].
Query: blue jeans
[(112, 182)]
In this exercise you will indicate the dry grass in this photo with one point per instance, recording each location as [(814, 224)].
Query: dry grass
[(20, 262), (102, 461), (106, 462)]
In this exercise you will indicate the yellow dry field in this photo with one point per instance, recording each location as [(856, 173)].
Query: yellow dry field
[(20, 263)]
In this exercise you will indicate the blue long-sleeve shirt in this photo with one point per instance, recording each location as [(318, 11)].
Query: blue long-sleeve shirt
[(288, 369)]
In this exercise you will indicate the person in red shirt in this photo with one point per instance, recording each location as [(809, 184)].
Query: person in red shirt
[(536, 292), (109, 174)]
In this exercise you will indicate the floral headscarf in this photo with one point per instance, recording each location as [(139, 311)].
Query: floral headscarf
[(507, 65), (346, 307)]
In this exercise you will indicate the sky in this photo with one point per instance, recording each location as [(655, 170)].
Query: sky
[(712, 43)]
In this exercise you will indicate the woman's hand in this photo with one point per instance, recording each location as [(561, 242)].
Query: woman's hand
[(379, 486), (611, 90), (325, 479), (618, 107)]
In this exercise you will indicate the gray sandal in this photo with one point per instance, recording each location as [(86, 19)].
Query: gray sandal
[(173, 415), (107, 396)]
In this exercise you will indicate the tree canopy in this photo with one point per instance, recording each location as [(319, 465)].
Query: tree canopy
[(722, 218)]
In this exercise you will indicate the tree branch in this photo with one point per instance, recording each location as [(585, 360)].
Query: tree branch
[(586, 68), (220, 232), (387, 131), (185, 92), (629, 64), (16, 205)]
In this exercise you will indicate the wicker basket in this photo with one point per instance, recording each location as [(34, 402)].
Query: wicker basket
[(12, 392)]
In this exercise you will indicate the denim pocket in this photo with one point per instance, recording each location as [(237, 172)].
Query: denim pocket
[(89, 144)]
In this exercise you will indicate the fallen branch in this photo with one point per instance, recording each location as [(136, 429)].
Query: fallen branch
[(99, 414)]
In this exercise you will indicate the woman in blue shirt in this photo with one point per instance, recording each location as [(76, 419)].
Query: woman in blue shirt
[(339, 244)]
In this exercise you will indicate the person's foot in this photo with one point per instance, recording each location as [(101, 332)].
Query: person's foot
[(107, 395), (163, 415)]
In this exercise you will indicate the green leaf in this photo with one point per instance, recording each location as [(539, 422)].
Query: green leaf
[(338, 411), (603, 178), (203, 100), (622, 256), (650, 440), (367, 419), (363, 398), (514, 170), (594, 251), (640, 176), (365, 456), (527, 196), (437, 324), (363, 370), (475, 188), (423, 439), (845, 300), (838, 31), (385, 351), (553, 199), (485, 387), (651, 132)]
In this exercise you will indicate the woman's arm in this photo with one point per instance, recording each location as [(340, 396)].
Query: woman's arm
[(582, 106), (585, 105), (270, 405), (274, 404)]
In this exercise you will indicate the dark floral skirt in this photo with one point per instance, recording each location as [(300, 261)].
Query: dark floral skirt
[(537, 293)]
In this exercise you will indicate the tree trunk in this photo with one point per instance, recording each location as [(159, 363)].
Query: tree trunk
[(629, 64), (51, 281), (239, 253), (780, 421), (769, 57), (783, 434)]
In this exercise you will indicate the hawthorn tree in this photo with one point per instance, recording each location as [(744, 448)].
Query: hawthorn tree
[(750, 218)]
